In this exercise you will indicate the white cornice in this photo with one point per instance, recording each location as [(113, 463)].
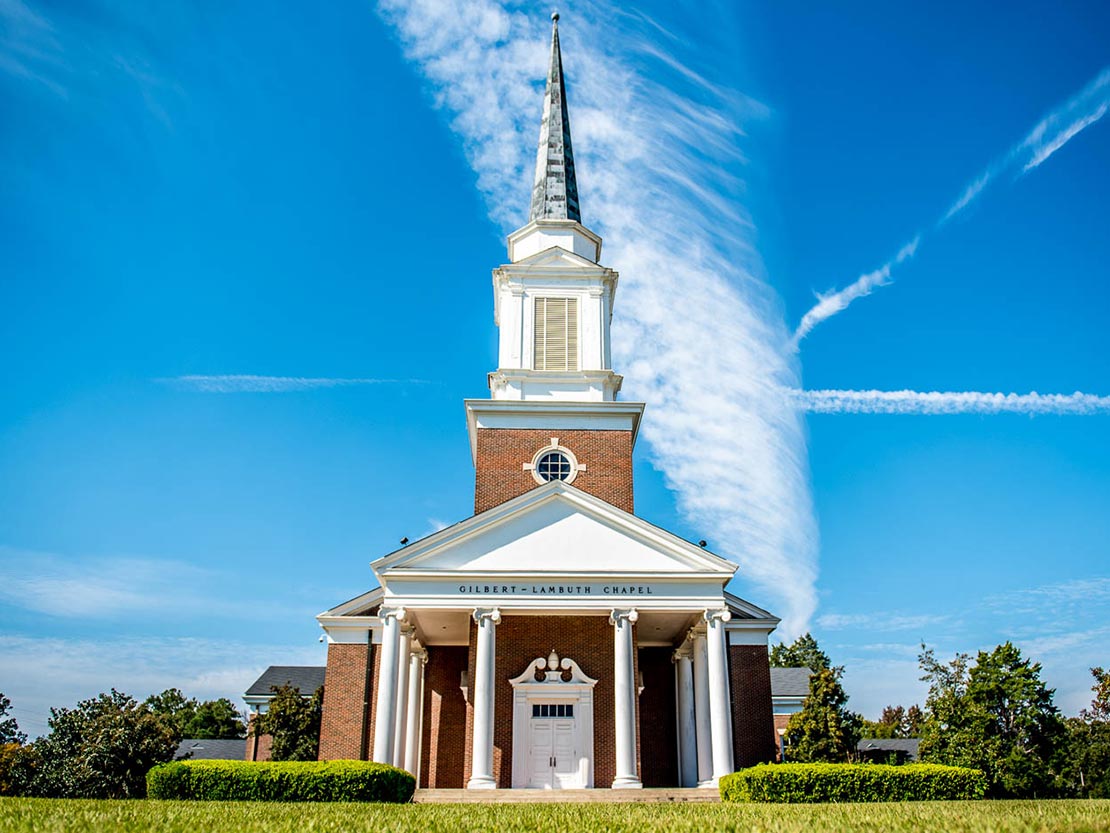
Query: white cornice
[(548, 408)]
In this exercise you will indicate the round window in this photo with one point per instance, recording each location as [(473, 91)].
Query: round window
[(554, 465)]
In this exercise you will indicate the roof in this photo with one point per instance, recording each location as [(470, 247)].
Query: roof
[(200, 749), (790, 682), (907, 745), (307, 678), (555, 192)]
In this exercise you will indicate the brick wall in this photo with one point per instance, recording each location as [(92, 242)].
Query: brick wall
[(658, 736), (343, 728), (502, 452), (588, 640), (752, 723), (444, 748), (258, 748)]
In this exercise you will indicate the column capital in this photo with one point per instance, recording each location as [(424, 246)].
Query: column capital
[(722, 615), (398, 613), (421, 654), (630, 615), (683, 651), (491, 613)]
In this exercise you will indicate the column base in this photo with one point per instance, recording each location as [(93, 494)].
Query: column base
[(481, 782), (711, 784), (631, 783)]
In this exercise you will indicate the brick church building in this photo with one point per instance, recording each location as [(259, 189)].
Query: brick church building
[(553, 639)]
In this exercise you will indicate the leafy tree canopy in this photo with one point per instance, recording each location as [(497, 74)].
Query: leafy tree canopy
[(9, 727), (824, 730), (293, 722), (208, 720), (996, 715), (803, 652), (895, 722), (1085, 764), (102, 748)]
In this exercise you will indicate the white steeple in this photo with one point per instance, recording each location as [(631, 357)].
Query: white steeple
[(553, 300)]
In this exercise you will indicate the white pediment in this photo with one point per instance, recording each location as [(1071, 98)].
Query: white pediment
[(555, 528), (555, 257)]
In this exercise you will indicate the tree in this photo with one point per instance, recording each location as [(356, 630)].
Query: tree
[(293, 723), (996, 715), (824, 730), (211, 719), (102, 748), (216, 720), (9, 727), (1085, 762), (894, 722), (803, 652)]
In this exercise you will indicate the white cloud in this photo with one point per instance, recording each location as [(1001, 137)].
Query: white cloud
[(697, 333), (243, 383), (829, 304), (883, 621), (948, 402), (1054, 131)]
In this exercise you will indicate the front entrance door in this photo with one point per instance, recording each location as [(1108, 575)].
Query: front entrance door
[(554, 760)]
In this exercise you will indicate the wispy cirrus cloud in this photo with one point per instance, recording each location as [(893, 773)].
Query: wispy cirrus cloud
[(246, 383), (110, 588), (829, 304), (1050, 134), (948, 402), (656, 145), (881, 621)]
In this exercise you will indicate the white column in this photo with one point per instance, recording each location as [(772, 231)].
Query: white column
[(701, 710), (624, 690), (402, 695), (385, 717), (720, 709), (481, 767), (687, 725), (415, 721)]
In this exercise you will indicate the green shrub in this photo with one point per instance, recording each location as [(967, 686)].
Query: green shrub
[(280, 781), (812, 783)]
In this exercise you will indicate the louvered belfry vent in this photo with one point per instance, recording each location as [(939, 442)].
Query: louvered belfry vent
[(556, 334)]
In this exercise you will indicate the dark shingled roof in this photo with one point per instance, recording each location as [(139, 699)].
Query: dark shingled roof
[(211, 750), (307, 678), (907, 745), (790, 682)]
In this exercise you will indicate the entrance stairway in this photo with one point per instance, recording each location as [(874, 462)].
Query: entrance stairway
[(598, 796)]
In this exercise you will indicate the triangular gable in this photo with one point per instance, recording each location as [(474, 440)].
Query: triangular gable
[(555, 528)]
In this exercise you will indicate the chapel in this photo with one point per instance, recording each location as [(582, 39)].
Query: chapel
[(553, 640)]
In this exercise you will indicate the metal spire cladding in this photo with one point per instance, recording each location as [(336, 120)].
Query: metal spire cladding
[(555, 192)]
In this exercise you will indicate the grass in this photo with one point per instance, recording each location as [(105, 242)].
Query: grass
[(28, 815)]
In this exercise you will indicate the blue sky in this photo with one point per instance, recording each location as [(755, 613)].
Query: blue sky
[(319, 194)]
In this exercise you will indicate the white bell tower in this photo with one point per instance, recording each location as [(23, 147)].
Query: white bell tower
[(553, 301)]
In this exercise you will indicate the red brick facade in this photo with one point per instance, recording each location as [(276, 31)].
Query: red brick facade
[(345, 727), (258, 747), (445, 715), (750, 687), (502, 452)]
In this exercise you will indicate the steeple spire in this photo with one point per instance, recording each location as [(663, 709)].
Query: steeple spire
[(555, 192)]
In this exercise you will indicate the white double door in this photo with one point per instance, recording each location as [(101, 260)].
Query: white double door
[(554, 760)]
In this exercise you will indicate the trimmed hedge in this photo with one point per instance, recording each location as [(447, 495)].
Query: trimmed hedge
[(814, 783), (280, 781)]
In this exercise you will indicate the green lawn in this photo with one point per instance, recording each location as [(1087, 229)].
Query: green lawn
[(23, 815)]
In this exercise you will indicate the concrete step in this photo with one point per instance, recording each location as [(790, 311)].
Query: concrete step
[(596, 796)]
